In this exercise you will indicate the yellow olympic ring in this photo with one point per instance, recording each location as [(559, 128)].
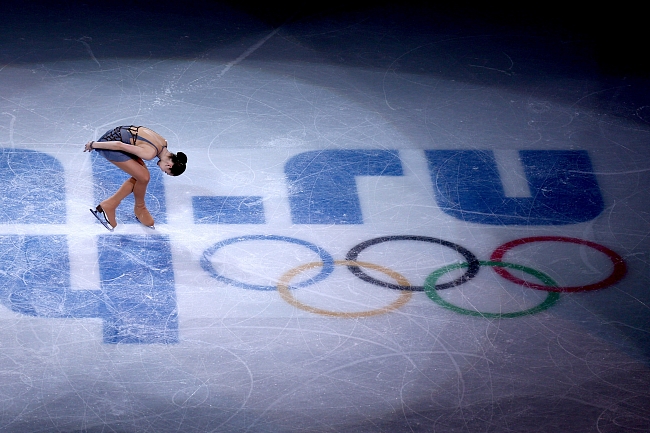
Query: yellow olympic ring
[(283, 288)]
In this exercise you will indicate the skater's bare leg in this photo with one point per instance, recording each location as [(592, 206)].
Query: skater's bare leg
[(141, 175), (110, 204)]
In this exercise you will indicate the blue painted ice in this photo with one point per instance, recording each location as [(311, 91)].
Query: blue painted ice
[(380, 229)]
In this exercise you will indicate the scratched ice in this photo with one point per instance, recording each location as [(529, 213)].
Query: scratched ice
[(389, 223)]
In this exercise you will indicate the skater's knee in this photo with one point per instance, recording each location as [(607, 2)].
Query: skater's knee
[(143, 177)]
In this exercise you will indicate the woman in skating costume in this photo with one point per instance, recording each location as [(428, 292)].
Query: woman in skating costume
[(126, 147)]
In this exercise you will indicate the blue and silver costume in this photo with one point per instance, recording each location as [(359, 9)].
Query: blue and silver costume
[(127, 135)]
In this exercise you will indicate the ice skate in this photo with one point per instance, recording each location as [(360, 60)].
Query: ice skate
[(102, 217), (143, 216)]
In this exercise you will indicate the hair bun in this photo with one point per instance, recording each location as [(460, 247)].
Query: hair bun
[(182, 158)]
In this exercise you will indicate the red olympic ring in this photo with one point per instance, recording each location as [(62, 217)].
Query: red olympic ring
[(617, 274)]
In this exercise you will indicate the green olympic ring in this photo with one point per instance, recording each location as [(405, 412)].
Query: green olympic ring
[(432, 293)]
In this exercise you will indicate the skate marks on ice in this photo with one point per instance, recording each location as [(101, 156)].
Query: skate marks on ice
[(473, 256)]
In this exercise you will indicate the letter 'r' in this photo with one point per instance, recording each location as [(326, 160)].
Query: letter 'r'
[(322, 186)]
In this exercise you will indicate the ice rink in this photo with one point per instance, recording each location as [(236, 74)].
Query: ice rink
[(390, 222)]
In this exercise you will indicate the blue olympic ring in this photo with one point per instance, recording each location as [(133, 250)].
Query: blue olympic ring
[(326, 258)]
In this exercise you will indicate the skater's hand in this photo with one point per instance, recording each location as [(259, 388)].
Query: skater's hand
[(89, 146)]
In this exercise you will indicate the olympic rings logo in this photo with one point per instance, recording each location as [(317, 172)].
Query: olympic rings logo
[(431, 287)]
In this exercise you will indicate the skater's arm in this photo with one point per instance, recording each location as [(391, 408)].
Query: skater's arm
[(141, 152)]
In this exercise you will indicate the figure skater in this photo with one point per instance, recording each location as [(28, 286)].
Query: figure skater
[(126, 147)]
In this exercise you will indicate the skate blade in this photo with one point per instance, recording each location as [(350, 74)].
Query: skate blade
[(102, 219), (150, 227)]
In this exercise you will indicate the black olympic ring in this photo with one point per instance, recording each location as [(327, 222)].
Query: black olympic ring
[(473, 264)]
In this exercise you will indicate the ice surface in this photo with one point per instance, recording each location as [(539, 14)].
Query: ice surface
[(414, 146)]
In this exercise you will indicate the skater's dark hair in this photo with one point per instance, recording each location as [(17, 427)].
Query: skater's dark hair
[(180, 161)]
